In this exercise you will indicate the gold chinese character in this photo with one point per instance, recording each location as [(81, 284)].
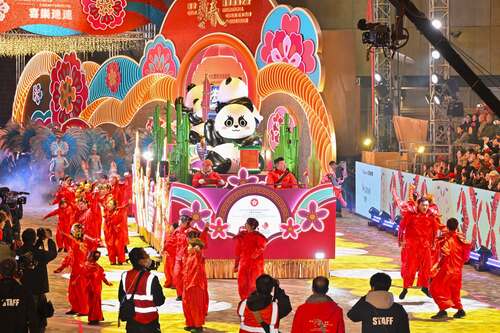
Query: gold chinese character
[(34, 13), (45, 13), (209, 13), (56, 14), (67, 14)]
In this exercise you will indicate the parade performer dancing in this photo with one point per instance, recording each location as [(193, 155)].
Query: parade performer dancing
[(195, 284), (113, 231), (446, 282), (94, 275), (179, 241), (65, 214), (249, 263), (331, 178), (417, 235)]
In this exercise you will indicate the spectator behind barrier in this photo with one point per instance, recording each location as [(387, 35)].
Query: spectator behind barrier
[(319, 313), (377, 311)]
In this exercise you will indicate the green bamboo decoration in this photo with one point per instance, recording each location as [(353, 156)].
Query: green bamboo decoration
[(180, 154), (168, 116), (288, 147)]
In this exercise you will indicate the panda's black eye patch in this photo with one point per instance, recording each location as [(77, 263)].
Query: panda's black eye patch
[(242, 122), (229, 121)]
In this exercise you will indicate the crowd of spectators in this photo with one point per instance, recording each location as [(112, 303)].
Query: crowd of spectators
[(477, 148)]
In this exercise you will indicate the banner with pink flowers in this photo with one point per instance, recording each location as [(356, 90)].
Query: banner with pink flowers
[(477, 210)]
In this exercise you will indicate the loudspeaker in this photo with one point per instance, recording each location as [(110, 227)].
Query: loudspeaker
[(163, 169), (456, 109)]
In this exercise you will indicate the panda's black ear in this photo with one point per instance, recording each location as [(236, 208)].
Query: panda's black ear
[(195, 100), (245, 101), (239, 77), (190, 86), (228, 80), (220, 106)]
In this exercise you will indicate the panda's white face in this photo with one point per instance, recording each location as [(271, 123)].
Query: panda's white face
[(235, 121)]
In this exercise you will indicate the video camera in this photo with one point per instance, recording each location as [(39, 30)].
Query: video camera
[(375, 34), (154, 265), (12, 202)]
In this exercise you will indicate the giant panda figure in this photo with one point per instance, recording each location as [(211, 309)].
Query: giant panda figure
[(235, 124), (192, 105)]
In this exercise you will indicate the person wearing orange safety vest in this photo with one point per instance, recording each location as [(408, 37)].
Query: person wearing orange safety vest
[(148, 296), (262, 311)]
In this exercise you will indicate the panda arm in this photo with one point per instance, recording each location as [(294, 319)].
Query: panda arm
[(211, 136)]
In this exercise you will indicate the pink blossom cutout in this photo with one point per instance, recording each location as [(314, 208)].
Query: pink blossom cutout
[(218, 229), (242, 178), (290, 229), (313, 217), (197, 214)]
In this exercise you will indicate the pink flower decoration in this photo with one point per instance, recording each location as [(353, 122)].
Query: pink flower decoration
[(219, 229), (197, 214), (104, 14), (287, 45), (159, 60), (273, 126), (242, 178), (68, 89), (313, 217), (290, 229), (113, 77), (4, 9)]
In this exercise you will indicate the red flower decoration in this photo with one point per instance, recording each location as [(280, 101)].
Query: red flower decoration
[(159, 59), (68, 89), (104, 14), (290, 229), (219, 229), (113, 77)]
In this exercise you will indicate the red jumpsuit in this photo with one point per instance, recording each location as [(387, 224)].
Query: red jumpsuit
[(94, 274), (195, 288), (169, 255), (179, 242), (417, 233), (212, 178), (118, 191), (65, 193), (113, 233), (65, 222), (90, 225), (249, 253), (288, 181), (447, 273)]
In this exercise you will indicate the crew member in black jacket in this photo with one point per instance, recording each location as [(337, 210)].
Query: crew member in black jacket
[(33, 257), (17, 310), (377, 310)]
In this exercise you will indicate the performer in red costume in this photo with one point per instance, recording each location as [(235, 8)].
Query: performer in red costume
[(280, 177), (195, 287), (118, 191), (76, 258), (65, 214), (249, 263), (129, 192), (93, 273), (207, 177), (113, 232), (169, 255), (86, 218), (447, 273), (179, 241), (417, 235), (65, 191)]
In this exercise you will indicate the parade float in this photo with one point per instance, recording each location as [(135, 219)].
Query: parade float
[(210, 59)]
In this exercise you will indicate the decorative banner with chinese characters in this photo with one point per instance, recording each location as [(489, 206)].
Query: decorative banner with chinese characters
[(189, 20), (71, 17)]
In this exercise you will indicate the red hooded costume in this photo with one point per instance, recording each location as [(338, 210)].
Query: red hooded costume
[(114, 235), (94, 274), (249, 253), (319, 314), (417, 234), (169, 255), (447, 273), (178, 241), (195, 286), (119, 193)]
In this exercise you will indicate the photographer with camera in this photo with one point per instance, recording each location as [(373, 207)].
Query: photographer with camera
[(17, 310), (12, 203), (140, 293), (37, 250), (265, 307)]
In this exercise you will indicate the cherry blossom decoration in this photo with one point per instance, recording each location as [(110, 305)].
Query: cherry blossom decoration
[(104, 14), (242, 178), (160, 57), (68, 89), (313, 217), (218, 229), (273, 125), (291, 36), (4, 9), (290, 229), (37, 93), (197, 214), (113, 77)]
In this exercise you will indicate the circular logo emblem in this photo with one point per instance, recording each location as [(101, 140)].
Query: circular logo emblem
[(254, 202)]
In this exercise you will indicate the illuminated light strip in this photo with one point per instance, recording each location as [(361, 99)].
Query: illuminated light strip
[(474, 256), (493, 263), (40, 64), (284, 78)]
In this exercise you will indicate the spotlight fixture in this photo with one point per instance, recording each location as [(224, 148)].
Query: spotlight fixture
[(437, 24), (437, 100), (367, 142), (378, 77), (434, 78), (420, 149), (435, 54)]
